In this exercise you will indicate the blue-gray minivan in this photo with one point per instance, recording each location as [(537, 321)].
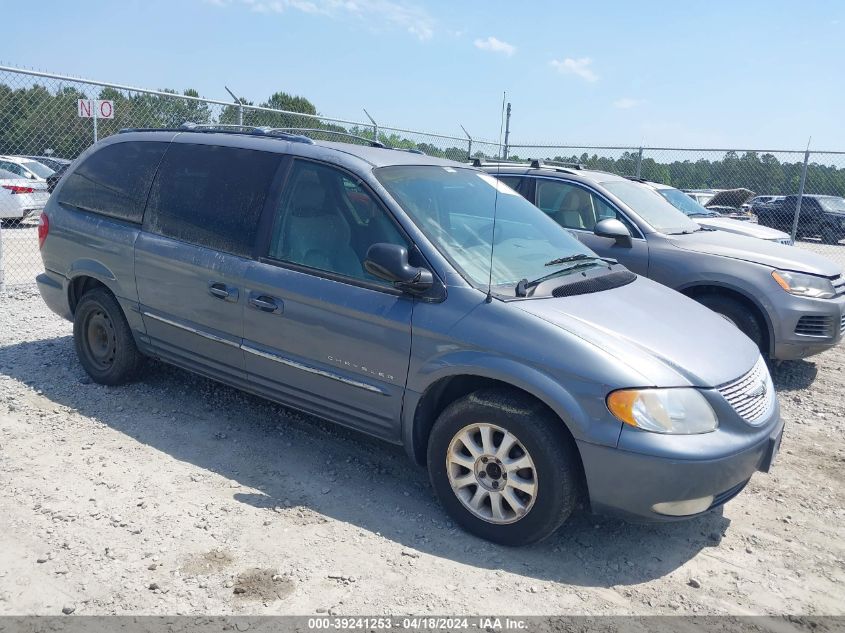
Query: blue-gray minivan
[(415, 299)]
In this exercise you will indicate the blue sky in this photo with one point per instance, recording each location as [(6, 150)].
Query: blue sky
[(705, 74)]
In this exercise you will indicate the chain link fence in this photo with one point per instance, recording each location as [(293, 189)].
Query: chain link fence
[(43, 124)]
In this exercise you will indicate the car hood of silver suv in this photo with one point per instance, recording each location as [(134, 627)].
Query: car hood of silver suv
[(669, 340), (751, 249)]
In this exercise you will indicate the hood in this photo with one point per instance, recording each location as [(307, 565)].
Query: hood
[(730, 198), (739, 227), (670, 340), (750, 249)]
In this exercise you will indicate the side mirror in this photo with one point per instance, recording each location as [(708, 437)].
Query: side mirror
[(390, 262), (613, 228)]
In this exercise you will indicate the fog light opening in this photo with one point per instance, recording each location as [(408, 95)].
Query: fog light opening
[(683, 508)]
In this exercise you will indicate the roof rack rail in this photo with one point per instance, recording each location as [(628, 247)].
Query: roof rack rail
[(214, 127), (539, 162), (369, 141), (236, 128), (481, 162)]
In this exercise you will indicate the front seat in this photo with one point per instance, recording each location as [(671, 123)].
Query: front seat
[(318, 236), (574, 209)]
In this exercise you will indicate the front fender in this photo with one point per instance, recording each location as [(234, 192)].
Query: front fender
[(578, 403), (727, 282)]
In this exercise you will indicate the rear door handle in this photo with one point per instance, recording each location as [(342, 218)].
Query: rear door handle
[(266, 303), (222, 291)]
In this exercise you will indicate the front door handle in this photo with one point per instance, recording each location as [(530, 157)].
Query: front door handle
[(221, 291), (266, 303)]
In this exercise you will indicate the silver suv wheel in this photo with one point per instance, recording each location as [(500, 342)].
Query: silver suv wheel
[(491, 473)]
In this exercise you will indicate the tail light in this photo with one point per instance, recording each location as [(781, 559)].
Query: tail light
[(43, 229), (18, 189)]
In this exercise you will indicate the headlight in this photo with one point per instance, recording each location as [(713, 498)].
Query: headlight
[(677, 411), (803, 285)]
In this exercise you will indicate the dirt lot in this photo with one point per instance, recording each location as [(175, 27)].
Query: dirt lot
[(177, 495)]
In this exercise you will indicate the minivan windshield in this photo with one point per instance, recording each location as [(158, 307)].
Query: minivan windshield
[(454, 208), (686, 205), (651, 207)]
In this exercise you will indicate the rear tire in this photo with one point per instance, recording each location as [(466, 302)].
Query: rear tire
[(738, 314), (104, 343), (504, 467)]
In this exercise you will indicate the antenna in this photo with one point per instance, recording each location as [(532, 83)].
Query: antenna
[(496, 203)]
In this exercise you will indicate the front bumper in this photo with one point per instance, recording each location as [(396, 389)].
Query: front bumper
[(628, 484), (803, 327)]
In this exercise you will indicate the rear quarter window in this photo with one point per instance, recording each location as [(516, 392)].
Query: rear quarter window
[(210, 195), (115, 180)]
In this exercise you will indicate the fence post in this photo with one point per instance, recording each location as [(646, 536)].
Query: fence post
[(375, 125), (640, 163), (800, 196), (2, 264), (469, 144)]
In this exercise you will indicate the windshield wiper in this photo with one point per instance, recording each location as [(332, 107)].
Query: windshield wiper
[(570, 258), (703, 215), (523, 286)]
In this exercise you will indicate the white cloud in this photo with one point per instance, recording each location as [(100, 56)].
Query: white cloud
[(580, 67), (379, 13), (626, 103), (495, 46)]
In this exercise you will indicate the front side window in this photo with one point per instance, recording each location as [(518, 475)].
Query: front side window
[(211, 196), (574, 207), (454, 207), (328, 221), (115, 180)]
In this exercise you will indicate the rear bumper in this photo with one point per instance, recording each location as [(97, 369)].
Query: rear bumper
[(53, 289), (628, 485)]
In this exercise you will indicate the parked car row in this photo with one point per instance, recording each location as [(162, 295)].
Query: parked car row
[(528, 356)]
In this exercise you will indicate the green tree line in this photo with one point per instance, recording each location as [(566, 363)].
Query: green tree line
[(34, 120)]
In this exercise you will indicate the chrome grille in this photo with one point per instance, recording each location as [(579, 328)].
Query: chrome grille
[(842, 324), (815, 325), (752, 396)]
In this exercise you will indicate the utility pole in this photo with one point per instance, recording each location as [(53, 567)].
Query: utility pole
[(507, 129)]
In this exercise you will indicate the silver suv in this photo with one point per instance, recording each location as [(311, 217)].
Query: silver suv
[(789, 301), (364, 285)]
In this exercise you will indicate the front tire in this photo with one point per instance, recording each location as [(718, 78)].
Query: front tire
[(104, 343), (504, 467)]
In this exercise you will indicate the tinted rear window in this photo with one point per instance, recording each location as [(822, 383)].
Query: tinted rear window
[(211, 196), (115, 180)]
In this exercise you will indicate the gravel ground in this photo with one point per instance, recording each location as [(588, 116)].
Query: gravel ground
[(177, 495)]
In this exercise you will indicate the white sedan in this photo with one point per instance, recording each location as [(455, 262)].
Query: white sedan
[(20, 196)]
